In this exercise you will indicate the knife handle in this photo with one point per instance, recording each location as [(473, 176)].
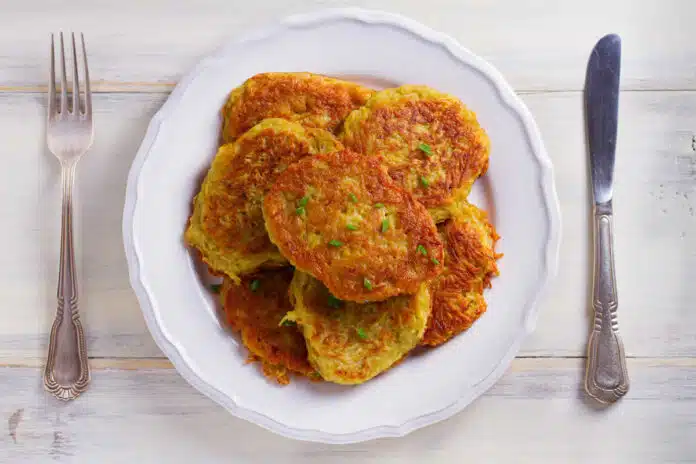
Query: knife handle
[(606, 379)]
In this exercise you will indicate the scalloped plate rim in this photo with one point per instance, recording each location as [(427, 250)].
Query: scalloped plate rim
[(462, 55)]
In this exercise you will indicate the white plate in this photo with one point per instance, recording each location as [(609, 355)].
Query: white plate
[(381, 50)]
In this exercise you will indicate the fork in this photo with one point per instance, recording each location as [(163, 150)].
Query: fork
[(69, 134)]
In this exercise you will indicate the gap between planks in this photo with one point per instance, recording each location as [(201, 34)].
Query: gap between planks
[(167, 87), (518, 364)]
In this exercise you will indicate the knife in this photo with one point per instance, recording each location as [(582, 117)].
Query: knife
[(606, 378)]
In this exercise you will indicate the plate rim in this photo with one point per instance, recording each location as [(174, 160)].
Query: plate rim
[(459, 53)]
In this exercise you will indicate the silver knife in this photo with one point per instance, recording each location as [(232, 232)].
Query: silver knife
[(606, 378)]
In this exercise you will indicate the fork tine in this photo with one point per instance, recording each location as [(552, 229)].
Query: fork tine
[(63, 79), (76, 80), (52, 82), (88, 91)]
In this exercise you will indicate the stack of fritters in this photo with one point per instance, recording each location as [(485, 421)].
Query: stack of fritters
[(338, 219)]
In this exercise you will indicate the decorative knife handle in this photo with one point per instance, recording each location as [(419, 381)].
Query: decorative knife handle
[(606, 379), (67, 370)]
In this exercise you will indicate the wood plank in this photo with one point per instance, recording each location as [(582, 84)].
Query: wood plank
[(536, 413), (31, 188), (655, 226), (538, 45)]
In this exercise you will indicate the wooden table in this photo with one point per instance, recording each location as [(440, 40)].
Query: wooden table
[(138, 409)]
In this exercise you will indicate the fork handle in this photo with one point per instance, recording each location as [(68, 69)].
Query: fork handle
[(67, 371), (606, 379)]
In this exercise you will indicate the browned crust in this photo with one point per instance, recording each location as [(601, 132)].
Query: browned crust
[(233, 216), (371, 253), (256, 315), (310, 99), (460, 147), (470, 264)]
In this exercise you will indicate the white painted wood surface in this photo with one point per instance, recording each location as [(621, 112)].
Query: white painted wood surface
[(139, 410), (536, 413)]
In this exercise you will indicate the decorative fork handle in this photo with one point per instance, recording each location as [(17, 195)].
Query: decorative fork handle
[(67, 371), (606, 379)]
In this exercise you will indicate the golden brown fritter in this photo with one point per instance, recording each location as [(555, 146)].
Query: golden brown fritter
[(431, 143), (342, 219), (227, 225), (255, 309), (309, 99), (350, 343), (470, 263)]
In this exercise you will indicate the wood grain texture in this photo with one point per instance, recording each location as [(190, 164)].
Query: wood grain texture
[(654, 219), (537, 44), (536, 413), (32, 200), (139, 409)]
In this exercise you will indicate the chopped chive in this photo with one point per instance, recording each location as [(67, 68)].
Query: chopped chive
[(333, 302), (367, 284), (385, 225), (254, 285), (300, 210), (335, 243), (287, 323), (215, 288), (352, 227), (303, 201), (379, 205), (425, 148), (424, 182), (353, 198), (361, 333), (421, 249), (435, 260)]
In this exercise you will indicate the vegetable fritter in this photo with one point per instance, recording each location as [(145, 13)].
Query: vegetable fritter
[(342, 219), (432, 145), (470, 263), (309, 99), (350, 343), (255, 308)]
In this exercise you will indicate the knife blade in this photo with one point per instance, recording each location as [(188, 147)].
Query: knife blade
[(602, 109), (606, 378)]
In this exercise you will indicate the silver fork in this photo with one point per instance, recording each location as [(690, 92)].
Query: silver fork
[(69, 135)]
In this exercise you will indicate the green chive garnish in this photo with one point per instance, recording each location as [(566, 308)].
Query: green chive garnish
[(215, 288), (424, 182), (361, 333), (352, 227), (379, 205), (385, 225), (254, 285), (367, 283), (303, 201), (421, 249), (333, 302), (425, 148), (435, 260), (287, 323), (335, 243), (353, 198), (300, 210)]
